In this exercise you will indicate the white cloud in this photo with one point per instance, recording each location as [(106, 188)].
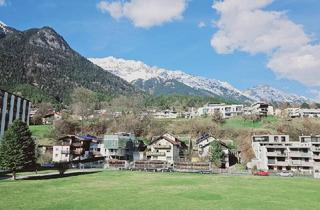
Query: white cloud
[(202, 24), (246, 27), (2, 2), (114, 8), (145, 13)]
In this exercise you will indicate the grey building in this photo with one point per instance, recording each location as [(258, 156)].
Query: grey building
[(12, 107), (278, 153)]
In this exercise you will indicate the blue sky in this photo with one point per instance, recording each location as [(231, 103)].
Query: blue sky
[(177, 45)]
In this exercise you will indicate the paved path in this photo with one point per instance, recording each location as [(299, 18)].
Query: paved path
[(68, 172)]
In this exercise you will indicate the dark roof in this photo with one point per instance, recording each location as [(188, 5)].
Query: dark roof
[(14, 94), (88, 137), (206, 136), (203, 138)]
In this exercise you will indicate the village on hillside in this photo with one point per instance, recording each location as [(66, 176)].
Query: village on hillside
[(204, 149)]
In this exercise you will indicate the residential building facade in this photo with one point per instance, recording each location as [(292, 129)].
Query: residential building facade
[(202, 147), (260, 109), (226, 111), (166, 148), (278, 153), (303, 113), (119, 146), (12, 107), (73, 148)]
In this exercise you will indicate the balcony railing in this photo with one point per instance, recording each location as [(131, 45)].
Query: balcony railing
[(317, 157), (300, 154), (65, 151), (301, 163), (162, 147), (282, 163), (316, 149), (276, 154), (156, 154)]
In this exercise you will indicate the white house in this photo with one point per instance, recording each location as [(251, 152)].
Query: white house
[(226, 111), (166, 148), (61, 154)]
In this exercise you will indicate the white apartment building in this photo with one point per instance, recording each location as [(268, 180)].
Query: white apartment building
[(226, 111), (278, 153), (304, 113), (260, 109)]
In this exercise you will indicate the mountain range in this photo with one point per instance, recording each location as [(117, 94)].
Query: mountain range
[(159, 81), (39, 64)]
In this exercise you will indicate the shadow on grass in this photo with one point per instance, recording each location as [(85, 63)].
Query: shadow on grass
[(58, 176)]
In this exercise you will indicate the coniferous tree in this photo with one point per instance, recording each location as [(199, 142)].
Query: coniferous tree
[(216, 153), (17, 148)]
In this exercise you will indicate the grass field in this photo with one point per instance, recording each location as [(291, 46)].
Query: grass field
[(42, 133), (239, 122), (40, 130), (141, 190)]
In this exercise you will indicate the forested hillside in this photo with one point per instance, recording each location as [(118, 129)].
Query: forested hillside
[(39, 63)]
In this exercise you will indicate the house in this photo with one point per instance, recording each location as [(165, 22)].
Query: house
[(166, 114), (12, 107), (202, 147), (73, 148), (119, 146), (227, 111), (277, 153), (166, 148), (260, 109)]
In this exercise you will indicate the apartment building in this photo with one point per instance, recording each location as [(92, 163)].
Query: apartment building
[(303, 113), (277, 153), (166, 148), (12, 107), (260, 109), (226, 111)]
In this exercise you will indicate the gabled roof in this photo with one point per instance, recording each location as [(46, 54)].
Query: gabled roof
[(176, 141), (207, 136)]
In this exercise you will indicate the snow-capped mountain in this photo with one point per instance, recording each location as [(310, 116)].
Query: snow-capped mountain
[(151, 77), (269, 94), (4, 29), (162, 81)]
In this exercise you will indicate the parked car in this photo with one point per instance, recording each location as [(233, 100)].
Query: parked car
[(285, 174), (261, 173)]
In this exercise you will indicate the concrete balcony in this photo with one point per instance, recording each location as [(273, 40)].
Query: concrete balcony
[(162, 147), (299, 154), (156, 154), (282, 163), (301, 163), (277, 154), (279, 163), (315, 149), (316, 157)]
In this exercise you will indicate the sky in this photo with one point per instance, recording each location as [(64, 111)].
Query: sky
[(243, 42)]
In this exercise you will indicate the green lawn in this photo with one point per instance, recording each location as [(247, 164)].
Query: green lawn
[(239, 122), (141, 190), (42, 133)]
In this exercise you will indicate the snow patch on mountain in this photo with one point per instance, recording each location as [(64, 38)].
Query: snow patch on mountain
[(269, 94), (132, 70)]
